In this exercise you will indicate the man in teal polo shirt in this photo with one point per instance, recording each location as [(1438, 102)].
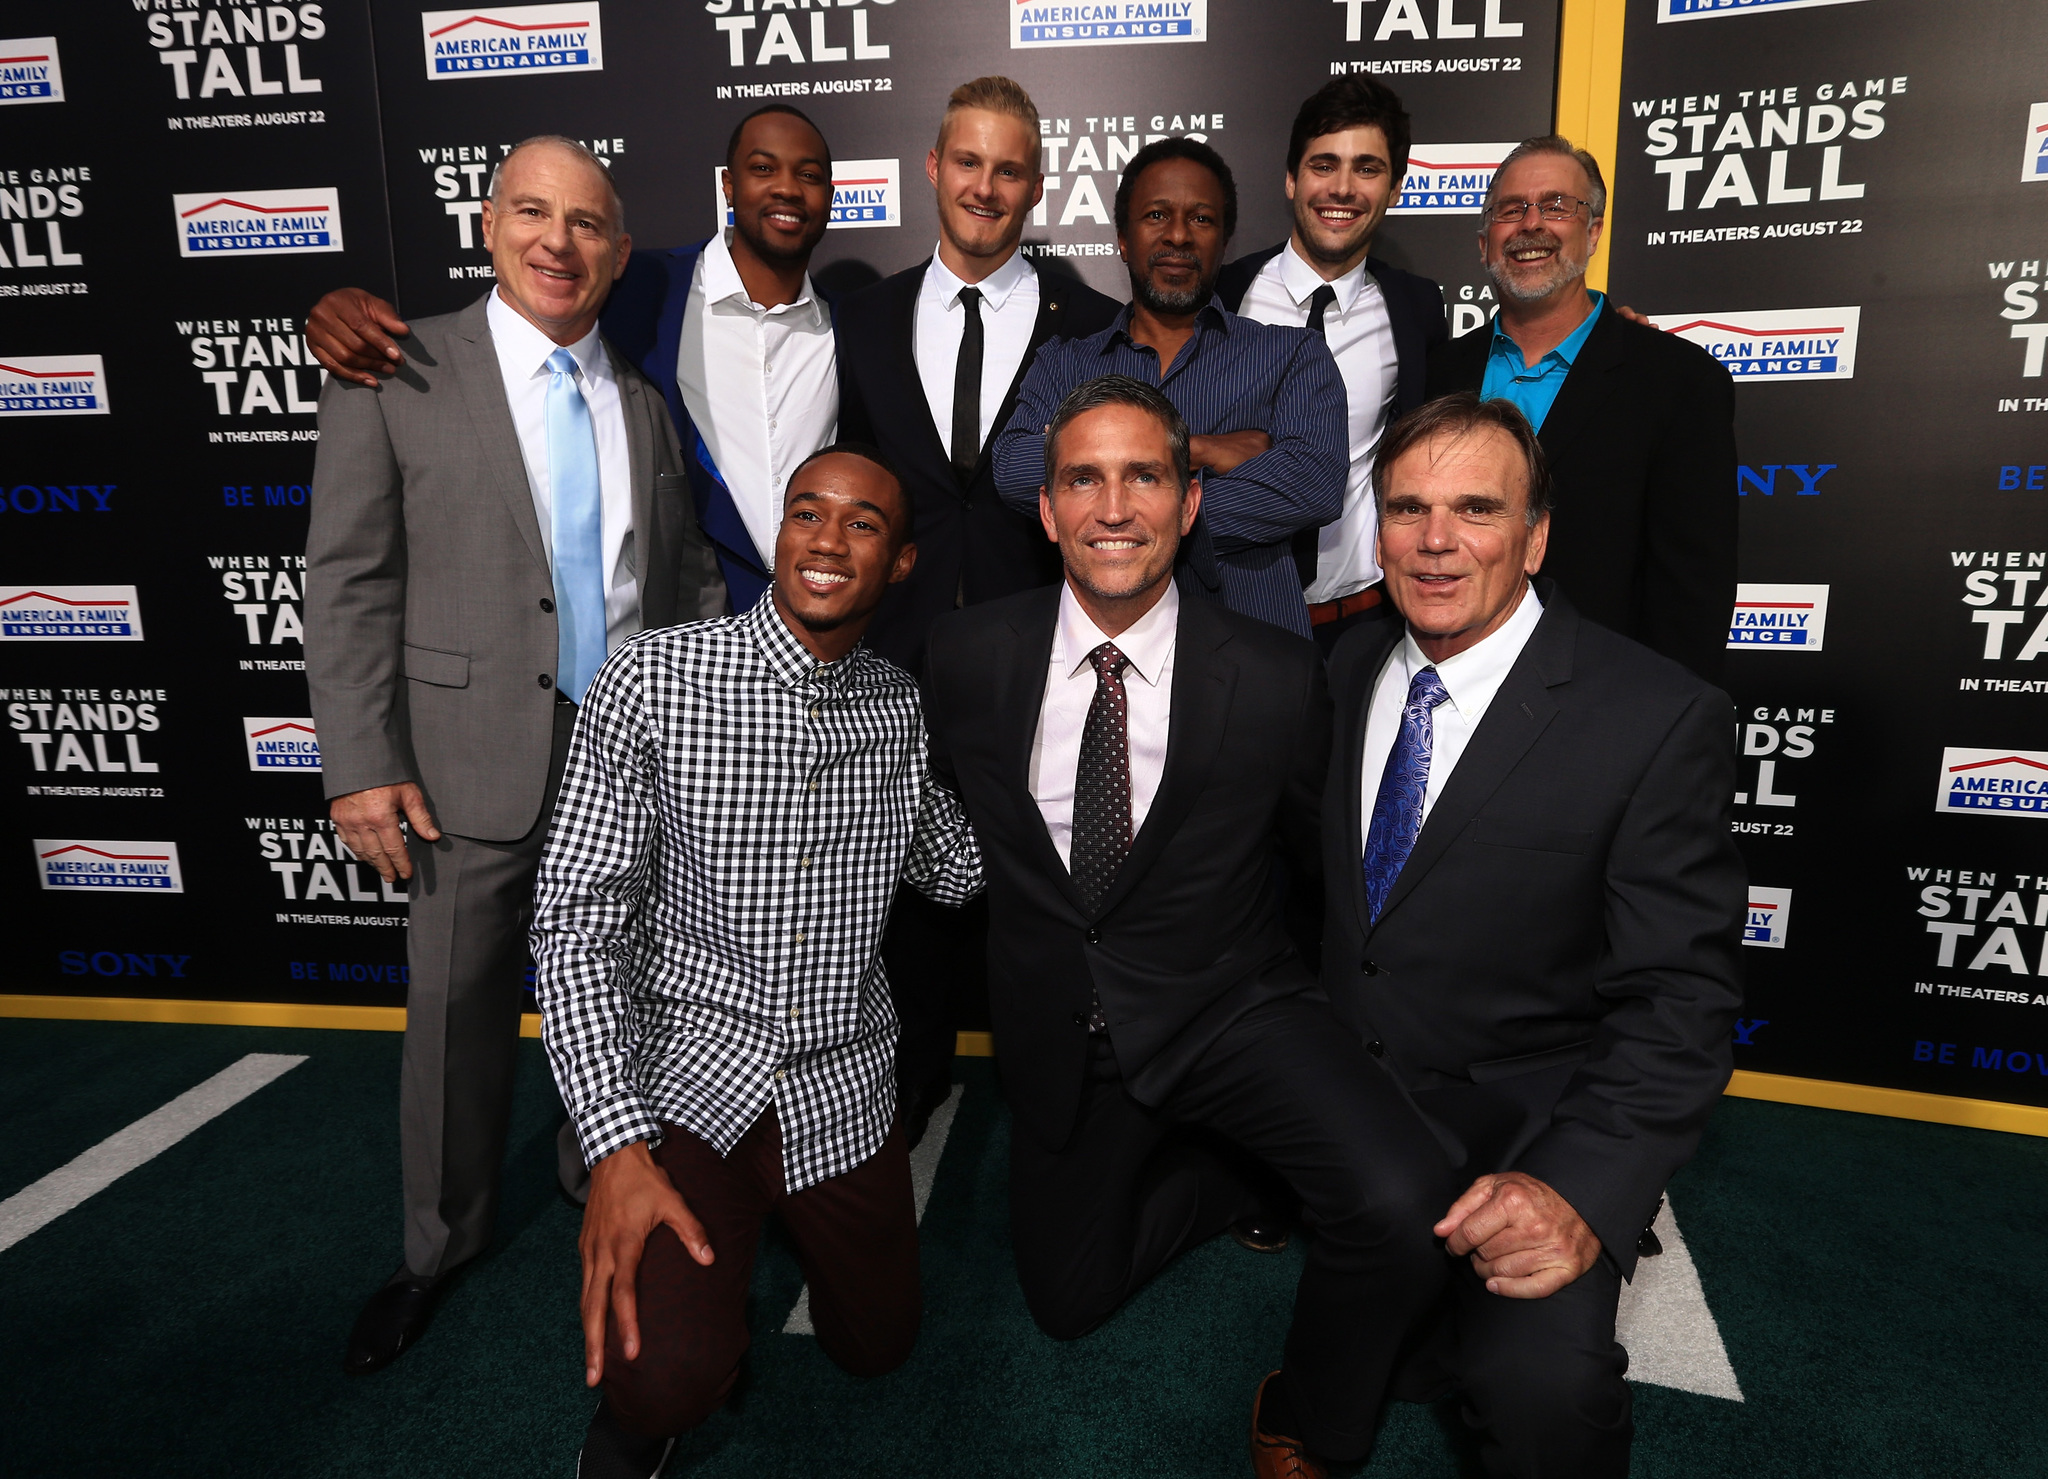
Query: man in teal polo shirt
[(1637, 426)]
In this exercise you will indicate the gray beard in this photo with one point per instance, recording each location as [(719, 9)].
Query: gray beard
[(1562, 270)]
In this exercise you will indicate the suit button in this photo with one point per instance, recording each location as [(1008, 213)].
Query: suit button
[(546, 681), (1094, 936), (547, 605), (1377, 1048), (1371, 968), (1080, 1019)]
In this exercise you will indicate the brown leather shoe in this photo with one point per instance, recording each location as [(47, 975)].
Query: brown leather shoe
[(1275, 1457)]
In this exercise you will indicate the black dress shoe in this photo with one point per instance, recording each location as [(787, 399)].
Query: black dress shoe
[(610, 1452), (393, 1321), (1261, 1232)]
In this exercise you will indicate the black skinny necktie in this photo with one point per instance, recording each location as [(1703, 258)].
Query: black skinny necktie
[(967, 389), (1319, 304)]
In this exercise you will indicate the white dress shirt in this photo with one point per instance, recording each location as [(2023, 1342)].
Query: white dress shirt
[(523, 352), (1009, 308), (761, 383), (1070, 688), (1361, 338), (1471, 679)]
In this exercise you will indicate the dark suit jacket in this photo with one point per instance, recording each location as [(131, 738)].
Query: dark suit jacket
[(1573, 904), (969, 543), (1415, 307), (644, 318), (1641, 444), (1190, 935)]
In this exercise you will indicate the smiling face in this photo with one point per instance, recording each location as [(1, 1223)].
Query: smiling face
[(985, 170), (1173, 243), (1535, 259), (553, 233), (840, 546), (779, 185), (1341, 191), (1115, 506), (1455, 538)]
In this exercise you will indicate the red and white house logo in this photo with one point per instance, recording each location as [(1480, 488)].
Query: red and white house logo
[(1448, 179), (513, 41), (2033, 158), (30, 71), (1764, 921), (53, 385), (69, 613), (1783, 618), (258, 223), (76, 865), (2006, 783), (1774, 343), (282, 744)]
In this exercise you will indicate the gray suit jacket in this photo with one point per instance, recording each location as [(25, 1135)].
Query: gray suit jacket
[(430, 628)]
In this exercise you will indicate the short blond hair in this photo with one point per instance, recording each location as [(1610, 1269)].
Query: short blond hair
[(994, 95)]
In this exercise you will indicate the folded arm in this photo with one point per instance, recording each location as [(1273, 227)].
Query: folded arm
[(1298, 482)]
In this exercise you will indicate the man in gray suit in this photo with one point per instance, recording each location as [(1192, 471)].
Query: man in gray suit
[(485, 525)]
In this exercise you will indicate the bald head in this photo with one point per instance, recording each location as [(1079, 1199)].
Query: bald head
[(554, 229)]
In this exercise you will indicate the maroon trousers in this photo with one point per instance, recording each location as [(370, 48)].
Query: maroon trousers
[(855, 1237)]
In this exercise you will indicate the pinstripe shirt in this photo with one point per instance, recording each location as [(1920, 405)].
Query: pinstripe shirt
[(730, 832), (1233, 374)]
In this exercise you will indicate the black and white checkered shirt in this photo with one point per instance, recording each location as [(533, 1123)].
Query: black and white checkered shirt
[(708, 921)]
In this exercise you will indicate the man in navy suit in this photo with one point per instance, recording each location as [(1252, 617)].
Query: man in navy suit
[(743, 302), (1346, 156)]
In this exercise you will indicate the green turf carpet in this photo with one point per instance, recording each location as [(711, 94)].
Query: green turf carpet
[(1874, 1281)]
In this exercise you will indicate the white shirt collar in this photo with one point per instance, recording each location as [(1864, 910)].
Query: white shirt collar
[(941, 281), (1302, 280), (720, 276), (1147, 642), (1475, 675), (520, 343)]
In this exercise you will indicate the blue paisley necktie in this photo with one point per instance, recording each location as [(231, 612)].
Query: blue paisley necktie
[(1397, 810)]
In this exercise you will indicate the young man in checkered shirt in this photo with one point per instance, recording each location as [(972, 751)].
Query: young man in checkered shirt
[(741, 800)]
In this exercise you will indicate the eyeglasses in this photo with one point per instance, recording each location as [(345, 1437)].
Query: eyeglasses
[(1551, 207)]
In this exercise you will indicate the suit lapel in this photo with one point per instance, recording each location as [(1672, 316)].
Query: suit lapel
[(901, 351), (481, 387), (1204, 681), (1018, 701), (1410, 351), (1595, 375), (1518, 715), (639, 461), (1382, 639)]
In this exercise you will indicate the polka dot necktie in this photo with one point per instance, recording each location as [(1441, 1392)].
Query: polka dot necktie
[(1102, 781)]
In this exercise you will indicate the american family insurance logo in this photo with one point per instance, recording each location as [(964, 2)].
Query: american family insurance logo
[(865, 192), (69, 613), (1699, 10), (1763, 923), (1781, 617), (2012, 783), (281, 744), (52, 385), (1448, 179), (2033, 158), (258, 223), (1112, 23), (95, 866), (513, 40), (1776, 343), (29, 71)]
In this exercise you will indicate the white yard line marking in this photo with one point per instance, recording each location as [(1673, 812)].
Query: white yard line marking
[(1664, 1322), (924, 1165), (43, 1202)]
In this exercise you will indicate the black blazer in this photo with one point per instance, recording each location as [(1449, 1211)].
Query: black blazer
[(1415, 307), (1641, 444), (969, 544), (1574, 898), (1190, 934)]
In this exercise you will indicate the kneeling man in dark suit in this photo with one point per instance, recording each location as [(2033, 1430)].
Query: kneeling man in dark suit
[(1132, 762), (1533, 908)]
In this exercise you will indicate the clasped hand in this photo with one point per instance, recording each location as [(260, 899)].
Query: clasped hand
[(1525, 1240)]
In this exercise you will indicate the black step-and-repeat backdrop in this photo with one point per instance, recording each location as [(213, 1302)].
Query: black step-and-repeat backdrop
[(179, 181), (1844, 201)]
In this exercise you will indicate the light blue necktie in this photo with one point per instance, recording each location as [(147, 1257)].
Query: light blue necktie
[(578, 500), (1397, 810)]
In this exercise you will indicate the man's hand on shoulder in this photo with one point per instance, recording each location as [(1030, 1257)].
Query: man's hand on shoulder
[(350, 332), (630, 1196), (1524, 1239), (368, 822), (1223, 454), (1632, 316)]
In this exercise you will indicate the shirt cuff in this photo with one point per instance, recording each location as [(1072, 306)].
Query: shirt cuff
[(613, 1124)]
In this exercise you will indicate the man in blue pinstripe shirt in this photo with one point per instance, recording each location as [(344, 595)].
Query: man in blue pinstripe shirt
[(1265, 404)]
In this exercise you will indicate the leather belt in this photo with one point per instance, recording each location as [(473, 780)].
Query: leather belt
[(1322, 613)]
